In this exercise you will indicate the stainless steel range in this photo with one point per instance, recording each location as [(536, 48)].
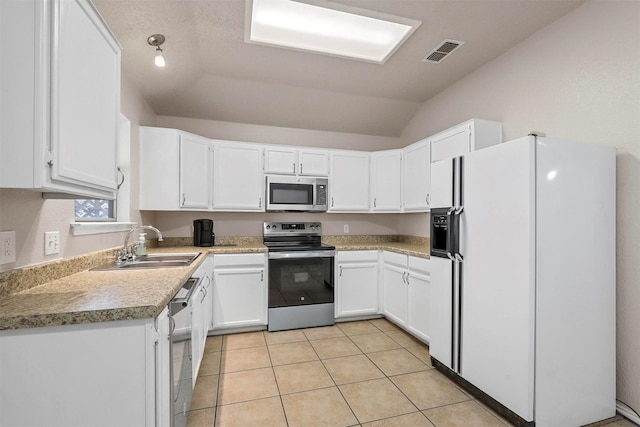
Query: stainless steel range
[(301, 292)]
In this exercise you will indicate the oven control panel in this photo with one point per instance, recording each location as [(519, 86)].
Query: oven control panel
[(301, 228)]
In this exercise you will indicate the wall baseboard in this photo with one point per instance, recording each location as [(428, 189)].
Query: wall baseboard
[(627, 412)]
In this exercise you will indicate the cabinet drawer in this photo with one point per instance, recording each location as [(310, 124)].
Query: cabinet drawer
[(421, 265), (233, 260), (394, 258), (357, 256)]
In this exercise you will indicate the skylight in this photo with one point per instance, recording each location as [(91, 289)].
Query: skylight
[(327, 28)]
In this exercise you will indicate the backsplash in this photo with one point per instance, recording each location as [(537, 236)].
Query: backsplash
[(29, 277)]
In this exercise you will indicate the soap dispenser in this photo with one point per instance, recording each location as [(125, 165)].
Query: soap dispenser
[(141, 249)]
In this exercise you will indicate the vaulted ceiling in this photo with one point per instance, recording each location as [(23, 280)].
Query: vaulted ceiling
[(212, 73)]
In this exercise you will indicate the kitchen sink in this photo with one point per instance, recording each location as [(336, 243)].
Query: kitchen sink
[(152, 261), (179, 257)]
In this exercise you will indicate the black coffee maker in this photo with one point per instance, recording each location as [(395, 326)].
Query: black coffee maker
[(203, 234)]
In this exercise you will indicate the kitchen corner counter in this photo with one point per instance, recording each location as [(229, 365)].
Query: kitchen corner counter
[(100, 296), (412, 249), (407, 245)]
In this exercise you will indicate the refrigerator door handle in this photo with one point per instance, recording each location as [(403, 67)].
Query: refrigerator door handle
[(455, 249), (450, 236)]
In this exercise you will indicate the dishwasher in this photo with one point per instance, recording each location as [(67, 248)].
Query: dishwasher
[(180, 353)]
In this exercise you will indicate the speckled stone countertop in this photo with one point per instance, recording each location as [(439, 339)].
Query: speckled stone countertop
[(100, 296), (408, 245), (66, 292)]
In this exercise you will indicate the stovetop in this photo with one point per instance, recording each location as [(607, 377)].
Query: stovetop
[(293, 236)]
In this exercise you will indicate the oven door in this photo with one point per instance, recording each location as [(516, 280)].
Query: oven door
[(298, 278)]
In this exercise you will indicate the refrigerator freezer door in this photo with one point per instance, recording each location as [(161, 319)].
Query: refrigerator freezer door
[(441, 311), (498, 290)]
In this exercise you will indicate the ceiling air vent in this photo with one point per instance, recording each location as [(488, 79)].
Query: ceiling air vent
[(442, 51)]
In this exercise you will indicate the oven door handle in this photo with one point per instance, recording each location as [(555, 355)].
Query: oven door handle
[(301, 254)]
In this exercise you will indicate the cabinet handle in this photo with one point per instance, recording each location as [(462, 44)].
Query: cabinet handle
[(300, 168), (408, 275), (121, 182), (340, 271), (260, 202), (426, 199), (204, 294), (183, 199), (332, 202), (294, 168), (375, 202), (262, 275), (403, 277)]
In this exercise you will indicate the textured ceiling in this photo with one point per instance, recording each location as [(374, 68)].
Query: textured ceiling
[(213, 74)]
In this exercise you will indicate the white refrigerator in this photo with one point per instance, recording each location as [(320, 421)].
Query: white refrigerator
[(523, 278)]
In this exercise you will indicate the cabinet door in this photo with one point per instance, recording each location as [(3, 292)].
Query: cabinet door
[(386, 181), (238, 178), (281, 160), (417, 176), (162, 370), (357, 289), (195, 177), (451, 143), (197, 330), (418, 301), (239, 297), (313, 162), (395, 293), (349, 181), (85, 97)]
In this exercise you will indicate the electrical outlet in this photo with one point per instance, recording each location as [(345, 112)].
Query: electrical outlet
[(8, 247), (51, 242), (346, 228)]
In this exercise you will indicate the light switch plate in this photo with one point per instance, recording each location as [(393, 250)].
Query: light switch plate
[(7, 247), (51, 242), (346, 228)]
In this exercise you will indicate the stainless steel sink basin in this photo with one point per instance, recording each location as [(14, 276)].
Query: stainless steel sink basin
[(180, 257), (152, 261)]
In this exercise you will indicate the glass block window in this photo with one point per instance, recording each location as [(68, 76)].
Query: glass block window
[(95, 210)]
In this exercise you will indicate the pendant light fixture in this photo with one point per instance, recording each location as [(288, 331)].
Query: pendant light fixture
[(156, 40)]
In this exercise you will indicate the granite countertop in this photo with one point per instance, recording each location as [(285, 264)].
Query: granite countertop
[(79, 295), (414, 249), (100, 296)]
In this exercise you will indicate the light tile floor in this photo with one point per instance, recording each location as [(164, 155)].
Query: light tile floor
[(366, 373)]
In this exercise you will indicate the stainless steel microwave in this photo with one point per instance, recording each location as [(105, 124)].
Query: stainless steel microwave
[(299, 194)]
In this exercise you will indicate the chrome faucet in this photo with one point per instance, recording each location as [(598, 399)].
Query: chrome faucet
[(129, 252)]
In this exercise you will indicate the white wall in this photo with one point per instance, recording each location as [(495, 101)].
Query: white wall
[(31, 216), (577, 79)]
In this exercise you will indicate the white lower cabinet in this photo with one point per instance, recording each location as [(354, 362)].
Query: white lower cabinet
[(418, 296), (99, 374), (394, 270), (239, 291), (406, 282), (356, 292)]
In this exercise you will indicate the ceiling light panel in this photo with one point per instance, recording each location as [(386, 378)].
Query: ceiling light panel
[(327, 28)]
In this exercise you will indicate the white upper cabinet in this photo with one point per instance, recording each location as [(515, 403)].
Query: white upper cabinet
[(175, 170), (281, 160), (313, 162), (60, 84), (195, 172), (293, 161), (417, 176), (238, 179), (349, 181), (471, 135), (386, 181)]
